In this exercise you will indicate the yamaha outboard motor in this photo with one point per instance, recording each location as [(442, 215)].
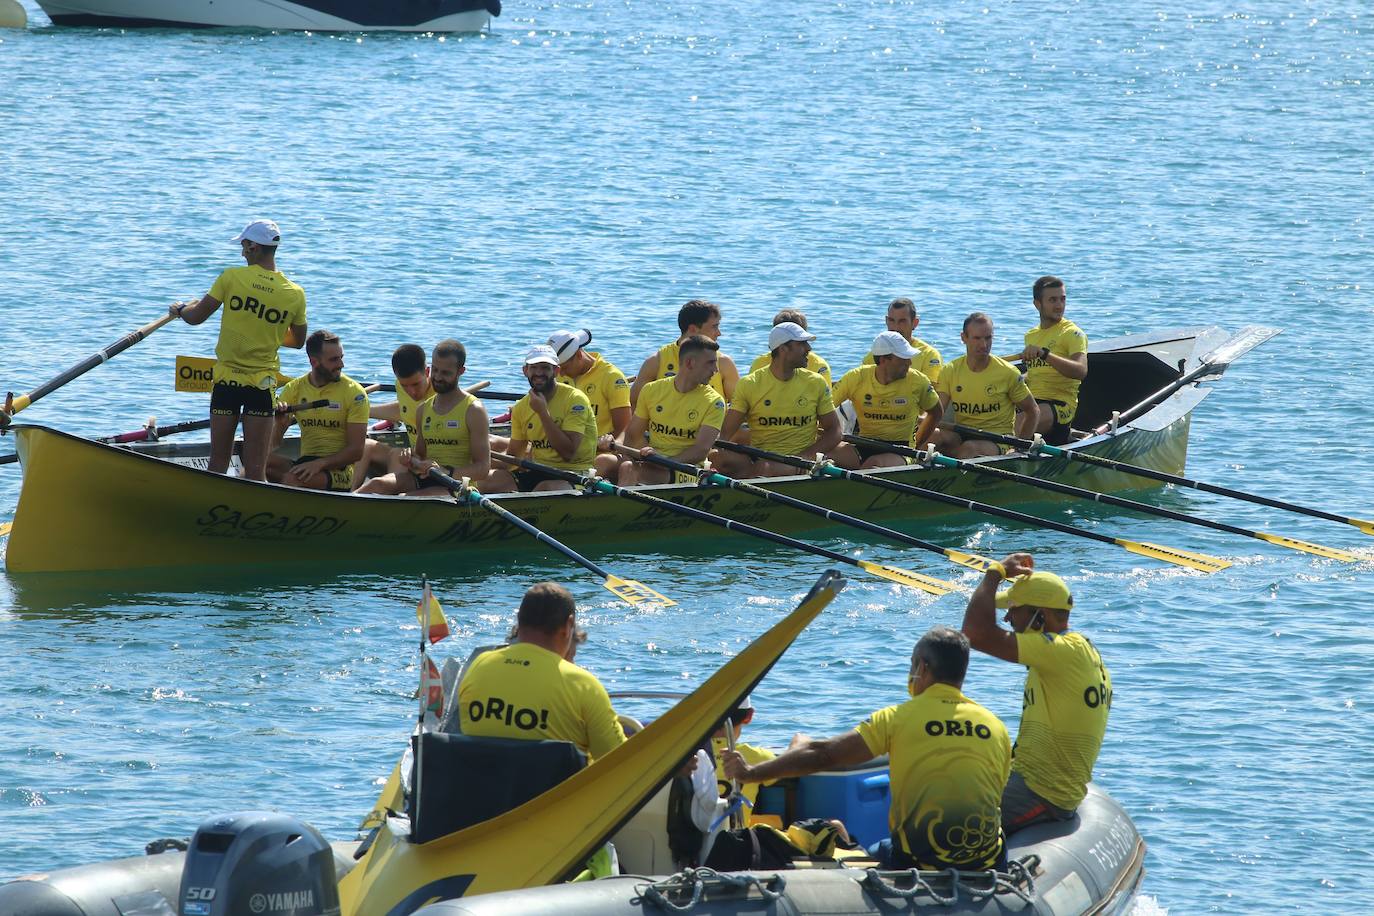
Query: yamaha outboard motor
[(258, 864)]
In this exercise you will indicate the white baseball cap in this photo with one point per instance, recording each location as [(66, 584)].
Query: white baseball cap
[(787, 332), (541, 353), (566, 343), (261, 231), (890, 343)]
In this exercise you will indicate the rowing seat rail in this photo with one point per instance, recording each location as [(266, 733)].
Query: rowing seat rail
[(467, 780)]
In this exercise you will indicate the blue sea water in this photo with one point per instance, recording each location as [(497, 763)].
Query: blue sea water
[(596, 164)]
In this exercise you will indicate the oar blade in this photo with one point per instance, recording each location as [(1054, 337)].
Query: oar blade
[(5, 528), (908, 578), (634, 592), (1199, 561), (971, 560), (1366, 527), (1331, 553)]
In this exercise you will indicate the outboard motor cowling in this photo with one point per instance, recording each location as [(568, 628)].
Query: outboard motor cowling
[(258, 864)]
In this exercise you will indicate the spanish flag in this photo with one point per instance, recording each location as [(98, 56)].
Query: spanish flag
[(438, 625)]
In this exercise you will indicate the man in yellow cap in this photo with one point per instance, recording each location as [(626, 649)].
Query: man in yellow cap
[(1067, 696)]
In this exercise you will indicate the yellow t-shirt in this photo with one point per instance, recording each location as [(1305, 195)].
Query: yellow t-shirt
[(573, 413), (782, 414), (667, 365), (524, 691), (1064, 709), (927, 359), (605, 386), (949, 760), (752, 756), (1045, 381), (674, 418), (888, 412), (407, 406), (448, 439), (324, 430), (984, 400), (813, 362), (257, 308)]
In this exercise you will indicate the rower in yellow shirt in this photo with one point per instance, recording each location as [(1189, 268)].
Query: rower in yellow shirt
[(1056, 358), (451, 433), (696, 317), (889, 398), (788, 408), (263, 312), (604, 385), (331, 436), (813, 359), (678, 417), (984, 392), (409, 365), (554, 423), (902, 318)]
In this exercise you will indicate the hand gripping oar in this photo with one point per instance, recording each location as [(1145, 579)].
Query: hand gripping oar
[(1038, 446), (624, 589), (1173, 555), (15, 404), (972, 561), (596, 484), (935, 458)]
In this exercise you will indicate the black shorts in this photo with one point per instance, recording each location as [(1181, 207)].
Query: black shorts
[(228, 399), (868, 451), (340, 479), (1058, 433), (527, 479)]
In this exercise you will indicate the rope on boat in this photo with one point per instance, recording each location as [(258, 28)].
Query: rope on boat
[(702, 879), (159, 846), (1017, 876)]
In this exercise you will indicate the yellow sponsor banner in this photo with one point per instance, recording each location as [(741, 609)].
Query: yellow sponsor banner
[(196, 373)]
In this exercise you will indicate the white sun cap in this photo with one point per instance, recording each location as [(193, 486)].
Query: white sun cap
[(566, 343), (261, 231), (787, 332), (890, 343), (541, 353)]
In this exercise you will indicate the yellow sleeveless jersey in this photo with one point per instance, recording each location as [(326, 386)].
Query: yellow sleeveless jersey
[(324, 430), (571, 410), (888, 412), (673, 418), (927, 359), (257, 308), (949, 761), (813, 362), (984, 400), (407, 406), (605, 386), (1045, 381), (752, 756), (782, 414), (448, 439), (524, 691), (668, 362), (1064, 708)]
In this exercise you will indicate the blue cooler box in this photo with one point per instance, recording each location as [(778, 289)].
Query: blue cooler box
[(858, 797)]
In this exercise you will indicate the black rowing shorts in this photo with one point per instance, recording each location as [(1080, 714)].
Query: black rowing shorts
[(230, 400)]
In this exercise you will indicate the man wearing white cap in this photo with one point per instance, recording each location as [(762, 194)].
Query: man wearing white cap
[(788, 408), (889, 397), (263, 311), (1067, 696), (603, 384), (555, 423)]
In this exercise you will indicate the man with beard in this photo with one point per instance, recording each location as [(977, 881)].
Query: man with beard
[(331, 436), (554, 423), (451, 432), (902, 318), (1056, 358), (889, 398)]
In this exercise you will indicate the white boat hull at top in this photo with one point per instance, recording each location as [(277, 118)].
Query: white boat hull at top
[(321, 15)]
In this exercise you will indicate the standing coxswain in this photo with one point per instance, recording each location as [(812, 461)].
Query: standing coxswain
[(263, 311)]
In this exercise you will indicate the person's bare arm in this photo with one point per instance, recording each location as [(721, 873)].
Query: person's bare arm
[(806, 757), (1028, 417)]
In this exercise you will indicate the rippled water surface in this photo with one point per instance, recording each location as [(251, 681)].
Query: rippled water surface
[(596, 164)]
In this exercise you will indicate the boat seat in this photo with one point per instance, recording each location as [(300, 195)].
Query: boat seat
[(464, 780)]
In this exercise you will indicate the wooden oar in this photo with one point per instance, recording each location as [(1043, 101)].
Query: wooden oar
[(626, 589), (1173, 555), (595, 484), (15, 404), (1039, 446), (972, 561), (5, 528), (970, 467)]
